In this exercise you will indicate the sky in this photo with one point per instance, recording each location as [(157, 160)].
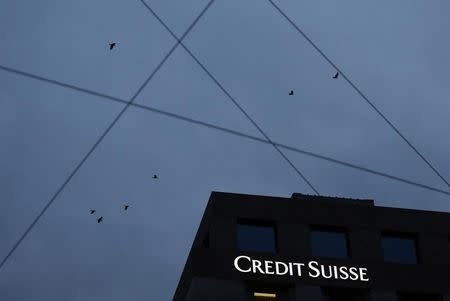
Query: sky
[(396, 52)]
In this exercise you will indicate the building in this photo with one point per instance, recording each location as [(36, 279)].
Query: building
[(316, 248)]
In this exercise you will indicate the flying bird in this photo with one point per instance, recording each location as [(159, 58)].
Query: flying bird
[(92, 211), (112, 45), (336, 75), (155, 176), (99, 220), (125, 207), (291, 93)]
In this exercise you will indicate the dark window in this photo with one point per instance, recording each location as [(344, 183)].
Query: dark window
[(344, 294), (258, 237), (205, 243), (418, 297), (399, 248), (329, 243)]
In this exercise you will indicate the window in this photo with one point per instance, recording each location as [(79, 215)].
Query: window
[(258, 237), (329, 243), (417, 297), (259, 296), (205, 243), (399, 248)]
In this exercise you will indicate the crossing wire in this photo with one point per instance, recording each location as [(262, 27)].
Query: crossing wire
[(230, 97), (100, 139), (268, 141), (305, 36), (225, 130)]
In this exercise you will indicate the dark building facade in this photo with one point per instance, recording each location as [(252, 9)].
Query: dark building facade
[(316, 248)]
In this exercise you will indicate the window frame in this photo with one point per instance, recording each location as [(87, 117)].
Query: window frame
[(259, 223), (331, 229), (402, 235)]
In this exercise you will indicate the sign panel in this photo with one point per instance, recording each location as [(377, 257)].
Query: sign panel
[(310, 269)]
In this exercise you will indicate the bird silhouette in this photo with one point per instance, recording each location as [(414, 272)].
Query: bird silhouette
[(92, 211), (99, 220), (125, 207), (291, 93), (112, 45), (336, 75), (155, 176)]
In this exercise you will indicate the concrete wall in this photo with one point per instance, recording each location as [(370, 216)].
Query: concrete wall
[(208, 289), (310, 293), (383, 296)]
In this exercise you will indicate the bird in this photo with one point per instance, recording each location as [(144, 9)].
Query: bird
[(336, 75), (112, 45), (99, 220), (155, 176), (92, 211), (125, 207), (291, 93)]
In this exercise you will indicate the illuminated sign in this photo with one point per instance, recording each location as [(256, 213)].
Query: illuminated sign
[(311, 269)]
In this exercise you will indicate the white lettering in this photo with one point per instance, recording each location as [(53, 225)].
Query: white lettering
[(352, 271), (343, 273), (268, 265), (246, 264), (313, 266), (335, 272), (236, 261), (299, 268), (362, 273), (277, 268), (324, 274), (257, 265), (290, 269)]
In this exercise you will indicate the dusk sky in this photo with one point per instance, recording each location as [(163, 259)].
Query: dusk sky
[(396, 52)]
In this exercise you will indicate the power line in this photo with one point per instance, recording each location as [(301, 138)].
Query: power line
[(100, 139), (213, 78), (227, 130), (61, 84), (297, 28)]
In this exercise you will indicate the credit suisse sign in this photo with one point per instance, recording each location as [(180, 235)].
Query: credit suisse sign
[(310, 269)]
